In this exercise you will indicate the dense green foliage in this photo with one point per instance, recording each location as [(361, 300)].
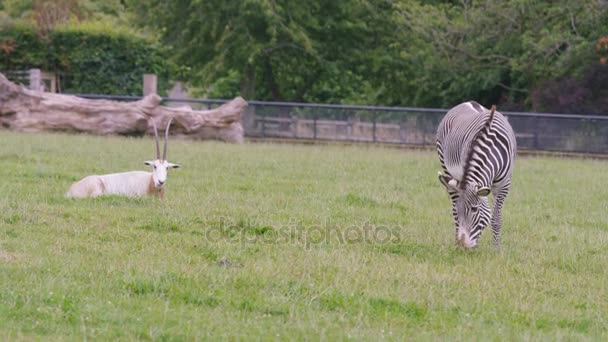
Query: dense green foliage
[(421, 53), (519, 54), (89, 58), (29, 10), (88, 43), (315, 51), (326, 243), (507, 51)]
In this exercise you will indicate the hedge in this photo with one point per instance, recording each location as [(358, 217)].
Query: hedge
[(89, 59)]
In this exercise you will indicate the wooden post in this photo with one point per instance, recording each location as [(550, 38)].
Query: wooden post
[(248, 119), (35, 79), (51, 77), (314, 126), (150, 82), (374, 126), (294, 125)]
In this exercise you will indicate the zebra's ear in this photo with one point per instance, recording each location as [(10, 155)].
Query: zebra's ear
[(483, 191), (447, 181)]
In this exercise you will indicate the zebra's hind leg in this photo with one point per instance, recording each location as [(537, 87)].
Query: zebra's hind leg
[(499, 199)]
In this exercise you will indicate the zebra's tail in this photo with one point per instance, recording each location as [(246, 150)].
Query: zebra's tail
[(491, 118)]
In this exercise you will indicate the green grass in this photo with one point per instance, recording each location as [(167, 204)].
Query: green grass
[(260, 241)]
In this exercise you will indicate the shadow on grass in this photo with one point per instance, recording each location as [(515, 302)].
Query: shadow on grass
[(161, 225), (443, 254), (355, 200), (106, 201), (173, 287), (180, 289), (372, 306)]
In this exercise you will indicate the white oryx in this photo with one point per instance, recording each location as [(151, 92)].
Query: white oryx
[(132, 183)]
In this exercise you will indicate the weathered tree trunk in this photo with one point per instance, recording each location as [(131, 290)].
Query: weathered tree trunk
[(26, 110)]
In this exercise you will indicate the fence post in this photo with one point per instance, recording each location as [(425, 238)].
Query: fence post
[(294, 124), (52, 77), (314, 126), (248, 119), (150, 84), (349, 128), (35, 79), (536, 132), (424, 130), (374, 126), (263, 125)]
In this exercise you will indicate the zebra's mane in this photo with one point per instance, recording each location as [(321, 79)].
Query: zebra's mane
[(474, 143)]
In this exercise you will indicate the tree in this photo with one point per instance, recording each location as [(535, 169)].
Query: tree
[(216, 36), (500, 51), (281, 50), (388, 52)]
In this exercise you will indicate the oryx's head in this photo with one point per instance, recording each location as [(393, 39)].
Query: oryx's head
[(160, 165), (472, 209)]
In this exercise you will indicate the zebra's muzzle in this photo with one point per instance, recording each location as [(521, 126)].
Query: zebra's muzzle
[(465, 240)]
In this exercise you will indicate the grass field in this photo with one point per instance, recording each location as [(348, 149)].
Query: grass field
[(261, 241)]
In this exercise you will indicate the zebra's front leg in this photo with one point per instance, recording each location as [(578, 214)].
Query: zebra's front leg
[(447, 181), (454, 198), (499, 199)]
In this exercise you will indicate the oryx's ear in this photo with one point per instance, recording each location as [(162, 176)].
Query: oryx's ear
[(447, 181), (483, 191), (173, 166), (149, 162)]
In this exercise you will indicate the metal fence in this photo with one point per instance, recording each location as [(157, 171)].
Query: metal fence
[(418, 126), (35, 79), (404, 125), (17, 76)]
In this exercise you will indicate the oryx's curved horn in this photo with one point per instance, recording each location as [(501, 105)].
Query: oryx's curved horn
[(156, 139), (166, 139)]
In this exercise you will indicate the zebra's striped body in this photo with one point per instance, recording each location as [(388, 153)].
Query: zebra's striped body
[(476, 148)]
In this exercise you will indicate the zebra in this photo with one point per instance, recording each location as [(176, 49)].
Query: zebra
[(476, 148)]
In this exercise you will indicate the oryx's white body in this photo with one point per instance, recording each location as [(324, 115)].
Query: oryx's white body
[(132, 183)]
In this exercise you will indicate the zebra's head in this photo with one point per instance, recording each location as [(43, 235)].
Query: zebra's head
[(473, 212)]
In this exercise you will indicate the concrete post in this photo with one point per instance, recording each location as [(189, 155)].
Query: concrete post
[(150, 84), (35, 79)]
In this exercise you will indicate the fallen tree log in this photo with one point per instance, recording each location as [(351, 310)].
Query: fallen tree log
[(25, 110)]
